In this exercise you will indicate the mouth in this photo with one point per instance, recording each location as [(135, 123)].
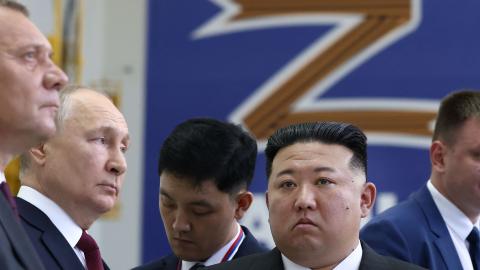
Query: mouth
[(53, 107), (182, 240), (110, 188), (304, 223)]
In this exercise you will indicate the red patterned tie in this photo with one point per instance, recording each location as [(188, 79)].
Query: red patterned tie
[(92, 253), (6, 192)]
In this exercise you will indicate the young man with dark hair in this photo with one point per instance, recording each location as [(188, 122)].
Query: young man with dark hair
[(205, 168), (29, 86), (437, 226), (317, 195)]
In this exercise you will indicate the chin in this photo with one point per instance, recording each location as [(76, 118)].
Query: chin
[(105, 206)]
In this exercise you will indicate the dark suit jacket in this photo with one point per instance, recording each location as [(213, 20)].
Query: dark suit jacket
[(49, 242), (272, 260), (16, 250), (170, 262), (413, 231)]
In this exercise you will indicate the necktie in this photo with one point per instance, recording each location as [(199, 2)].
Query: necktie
[(92, 253), (11, 201), (474, 249), (197, 266)]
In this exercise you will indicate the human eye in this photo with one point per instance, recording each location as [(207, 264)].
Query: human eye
[(167, 203), (324, 182), (287, 184), (100, 140), (29, 55), (201, 212)]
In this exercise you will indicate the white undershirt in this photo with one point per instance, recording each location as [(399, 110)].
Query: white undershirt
[(351, 262), (217, 256), (458, 224), (64, 223)]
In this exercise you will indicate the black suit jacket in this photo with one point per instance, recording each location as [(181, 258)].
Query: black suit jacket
[(249, 246), (16, 250), (53, 248), (272, 260)]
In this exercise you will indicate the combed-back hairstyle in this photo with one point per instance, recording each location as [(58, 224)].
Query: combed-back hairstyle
[(14, 5), (207, 149), (455, 109), (343, 134)]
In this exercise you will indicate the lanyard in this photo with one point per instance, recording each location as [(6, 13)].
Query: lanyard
[(230, 252)]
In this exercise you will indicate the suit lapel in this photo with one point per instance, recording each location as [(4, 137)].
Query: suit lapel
[(51, 237), (437, 225), (60, 249), (18, 238)]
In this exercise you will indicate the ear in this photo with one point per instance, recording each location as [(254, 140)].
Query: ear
[(367, 198), (38, 154), (437, 155), (244, 200)]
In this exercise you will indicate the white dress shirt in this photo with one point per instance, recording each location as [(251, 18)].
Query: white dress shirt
[(2, 177), (217, 256), (458, 224), (64, 223), (351, 262)]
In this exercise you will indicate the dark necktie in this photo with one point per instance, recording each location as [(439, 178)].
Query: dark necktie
[(11, 201), (474, 249), (92, 253), (197, 266)]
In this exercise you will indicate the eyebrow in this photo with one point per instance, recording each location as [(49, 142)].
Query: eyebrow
[(110, 129), (317, 170)]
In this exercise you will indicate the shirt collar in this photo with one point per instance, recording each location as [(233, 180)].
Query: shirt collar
[(64, 223), (351, 262), (453, 217), (217, 256), (2, 177)]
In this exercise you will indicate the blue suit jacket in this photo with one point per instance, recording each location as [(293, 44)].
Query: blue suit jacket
[(53, 248), (16, 250), (413, 231), (170, 262)]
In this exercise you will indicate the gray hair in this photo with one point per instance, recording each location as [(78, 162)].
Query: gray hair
[(14, 5)]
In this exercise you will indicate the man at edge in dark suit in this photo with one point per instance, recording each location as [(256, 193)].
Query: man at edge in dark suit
[(205, 168), (317, 194), (29, 85), (434, 226)]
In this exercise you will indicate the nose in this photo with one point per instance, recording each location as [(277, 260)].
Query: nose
[(180, 223), (117, 164), (55, 78), (305, 199)]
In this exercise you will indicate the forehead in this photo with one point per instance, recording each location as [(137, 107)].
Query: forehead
[(310, 155), (17, 31), (468, 134), (90, 110), (182, 188)]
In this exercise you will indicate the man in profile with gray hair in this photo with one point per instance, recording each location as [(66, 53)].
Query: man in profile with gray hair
[(29, 85), (73, 178)]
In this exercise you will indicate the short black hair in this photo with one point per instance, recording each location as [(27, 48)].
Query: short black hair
[(455, 109), (204, 149), (343, 134)]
